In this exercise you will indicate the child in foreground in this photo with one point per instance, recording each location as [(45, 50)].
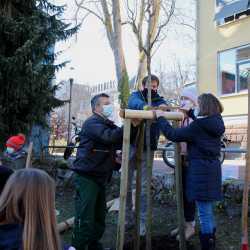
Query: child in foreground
[(27, 212)]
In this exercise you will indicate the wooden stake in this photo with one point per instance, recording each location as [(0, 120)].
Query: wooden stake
[(124, 185), (149, 196), (28, 159), (244, 219), (179, 197), (140, 146)]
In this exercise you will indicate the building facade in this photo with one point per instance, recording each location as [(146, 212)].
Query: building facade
[(81, 97), (223, 59)]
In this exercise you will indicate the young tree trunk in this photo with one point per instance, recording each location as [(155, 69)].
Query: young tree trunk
[(142, 67), (142, 70), (148, 143)]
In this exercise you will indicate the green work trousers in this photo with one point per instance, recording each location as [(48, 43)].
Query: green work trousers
[(90, 212)]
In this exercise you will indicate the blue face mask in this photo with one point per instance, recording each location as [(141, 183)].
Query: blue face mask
[(107, 110)]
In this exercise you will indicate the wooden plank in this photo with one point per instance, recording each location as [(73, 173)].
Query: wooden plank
[(179, 197), (140, 146), (124, 185), (29, 155), (149, 196), (149, 115), (244, 218)]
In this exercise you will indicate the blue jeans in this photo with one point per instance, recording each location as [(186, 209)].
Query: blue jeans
[(206, 216)]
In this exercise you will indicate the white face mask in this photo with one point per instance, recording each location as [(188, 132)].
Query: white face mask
[(107, 110), (196, 111), (10, 150)]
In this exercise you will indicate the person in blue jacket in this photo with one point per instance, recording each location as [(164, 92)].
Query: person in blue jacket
[(138, 100), (203, 177)]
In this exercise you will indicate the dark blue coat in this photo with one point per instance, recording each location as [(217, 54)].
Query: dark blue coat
[(5, 173), (11, 237), (99, 139), (137, 101), (203, 136)]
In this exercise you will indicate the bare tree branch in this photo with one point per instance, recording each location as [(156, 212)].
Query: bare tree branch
[(142, 14), (80, 5), (132, 13), (169, 15)]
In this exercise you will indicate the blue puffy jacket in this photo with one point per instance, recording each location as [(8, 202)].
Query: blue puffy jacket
[(137, 101), (99, 139), (203, 137)]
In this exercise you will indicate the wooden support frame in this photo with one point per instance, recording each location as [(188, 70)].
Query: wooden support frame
[(138, 186), (245, 199), (149, 195), (179, 196), (29, 155), (124, 185), (148, 115)]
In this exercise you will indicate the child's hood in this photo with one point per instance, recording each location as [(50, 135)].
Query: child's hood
[(213, 125)]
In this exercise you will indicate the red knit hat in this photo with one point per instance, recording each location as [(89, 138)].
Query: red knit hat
[(16, 142)]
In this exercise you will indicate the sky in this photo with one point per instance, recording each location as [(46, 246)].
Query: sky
[(91, 59)]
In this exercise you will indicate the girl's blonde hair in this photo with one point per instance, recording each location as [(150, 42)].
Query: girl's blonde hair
[(28, 198)]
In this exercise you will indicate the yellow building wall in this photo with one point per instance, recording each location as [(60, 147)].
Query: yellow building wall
[(212, 39)]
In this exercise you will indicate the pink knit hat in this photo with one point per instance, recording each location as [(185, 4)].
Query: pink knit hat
[(191, 93)]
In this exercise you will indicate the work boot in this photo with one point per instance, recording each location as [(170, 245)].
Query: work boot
[(207, 241), (189, 231)]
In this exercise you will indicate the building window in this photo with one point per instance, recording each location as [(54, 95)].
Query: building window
[(231, 10), (234, 70)]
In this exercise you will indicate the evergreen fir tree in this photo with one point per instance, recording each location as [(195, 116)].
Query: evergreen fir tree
[(28, 32)]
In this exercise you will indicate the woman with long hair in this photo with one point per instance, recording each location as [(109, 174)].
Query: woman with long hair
[(27, 212), (203, 175)]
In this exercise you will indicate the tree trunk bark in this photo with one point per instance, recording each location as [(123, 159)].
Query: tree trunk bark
[(148, 142), (121, 69), (142, 70), (142, 67)]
